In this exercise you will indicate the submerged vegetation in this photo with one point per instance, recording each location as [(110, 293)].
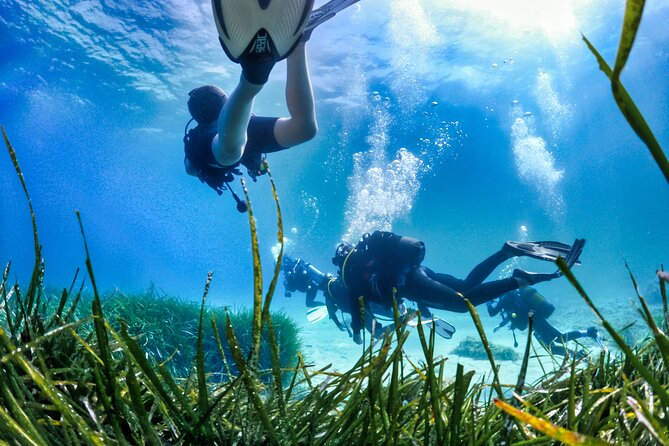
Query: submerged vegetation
[(633, 15), (70, 377), (92, 380), (166, 328)]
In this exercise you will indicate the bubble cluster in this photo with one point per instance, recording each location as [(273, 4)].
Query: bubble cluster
[(556, 112), (381, 192), (535, 164)]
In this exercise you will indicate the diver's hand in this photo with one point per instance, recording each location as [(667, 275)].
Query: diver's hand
[(357, 339)]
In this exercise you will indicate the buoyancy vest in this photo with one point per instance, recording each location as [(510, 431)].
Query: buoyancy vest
[(378, 261), (197, 148)]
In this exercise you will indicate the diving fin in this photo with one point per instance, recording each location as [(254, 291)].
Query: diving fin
[(571, 258), (548, 251), (443, 328), (326, 12), (315, 314), (260, 31)]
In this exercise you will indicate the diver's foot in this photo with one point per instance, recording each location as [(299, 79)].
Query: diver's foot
[(258, 60), (526, 278), (257, 73)]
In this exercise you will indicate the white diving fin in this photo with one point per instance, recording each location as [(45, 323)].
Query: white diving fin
[(443, 328), (315, 314), (260, 30)]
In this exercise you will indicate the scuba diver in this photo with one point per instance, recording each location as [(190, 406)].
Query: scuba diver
[(515, 307), (299, 275), (384, 265), (302, 276), (256, 35)]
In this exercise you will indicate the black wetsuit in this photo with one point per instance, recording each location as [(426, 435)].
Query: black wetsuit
[(261, 139), (299, 275), (336, 299), (445, 292), (306, 278), (554, 339), (374, 269)]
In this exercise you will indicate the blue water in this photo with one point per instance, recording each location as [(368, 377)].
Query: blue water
[(461, 125)]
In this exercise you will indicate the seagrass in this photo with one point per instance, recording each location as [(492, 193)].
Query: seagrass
[(88, 380)]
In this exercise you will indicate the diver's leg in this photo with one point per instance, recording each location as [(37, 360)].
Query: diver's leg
[(545, 332), (311, 298), (576, 334), (425, 312), (488, 291), (228, 145), (301, 126), (558, 349), (445, 292), (424, 289), (484, 269)]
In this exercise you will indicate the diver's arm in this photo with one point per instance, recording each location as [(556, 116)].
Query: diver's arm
[(356, 317), (301, 126), (311, 297), (355, 297), (373, 326), (228, 145), (332, 307), (335, 319)]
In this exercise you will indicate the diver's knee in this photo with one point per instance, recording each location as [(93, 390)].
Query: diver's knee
[(226, 152), (228, 158)]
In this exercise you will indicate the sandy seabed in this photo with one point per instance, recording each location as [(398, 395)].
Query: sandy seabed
[(323, 344)]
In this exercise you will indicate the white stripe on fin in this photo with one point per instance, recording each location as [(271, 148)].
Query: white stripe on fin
[(238, 22)]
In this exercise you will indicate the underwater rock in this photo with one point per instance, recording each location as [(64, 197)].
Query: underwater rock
[(473, 348)]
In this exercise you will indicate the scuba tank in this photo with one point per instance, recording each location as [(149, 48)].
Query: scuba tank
[(404, 251), (411, 251)]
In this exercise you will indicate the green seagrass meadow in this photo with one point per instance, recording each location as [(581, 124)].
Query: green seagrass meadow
[(84, 369)]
